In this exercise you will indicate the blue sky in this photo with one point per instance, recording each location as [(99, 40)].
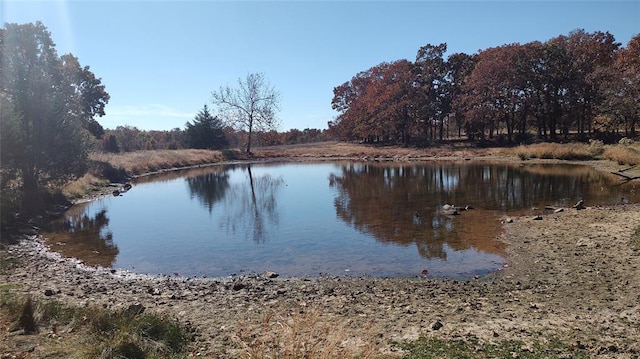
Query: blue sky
[(160, 60)]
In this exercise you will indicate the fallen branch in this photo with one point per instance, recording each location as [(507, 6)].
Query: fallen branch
[(628, 178), (626, 169)]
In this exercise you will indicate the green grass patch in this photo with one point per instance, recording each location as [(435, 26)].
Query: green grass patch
[(427, 348), (91, 332), (131, 335)]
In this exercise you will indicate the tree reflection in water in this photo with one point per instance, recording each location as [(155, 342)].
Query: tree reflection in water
[(247, 205), (209, 188), (84, 237), (401, 203)]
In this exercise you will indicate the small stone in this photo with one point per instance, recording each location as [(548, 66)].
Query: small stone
[(437, 325), (526, 348), (153, 291), (270, 274), (537, 218), (585, 242), (49, 292), (239, 285)]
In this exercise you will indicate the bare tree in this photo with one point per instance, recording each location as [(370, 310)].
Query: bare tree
[(251, 106)]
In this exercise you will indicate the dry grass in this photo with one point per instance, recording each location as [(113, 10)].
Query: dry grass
[(86, 186), (334, 149), (301, 335), (571, 151), (139, 162), (623, 154), (628, 154)]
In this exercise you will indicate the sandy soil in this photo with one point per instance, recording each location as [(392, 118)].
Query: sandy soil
[(573, 276)]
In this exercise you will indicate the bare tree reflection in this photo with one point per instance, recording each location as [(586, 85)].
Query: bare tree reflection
[(84, 237), (250, 205)]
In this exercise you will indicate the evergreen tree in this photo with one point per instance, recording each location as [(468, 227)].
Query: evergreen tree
[(205, 132)]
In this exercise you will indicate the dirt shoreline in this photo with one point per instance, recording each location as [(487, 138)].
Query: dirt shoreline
[(572, 276)]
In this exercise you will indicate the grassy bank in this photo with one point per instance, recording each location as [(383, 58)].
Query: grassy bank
[(628, 154), (140, 162), (110, 167)]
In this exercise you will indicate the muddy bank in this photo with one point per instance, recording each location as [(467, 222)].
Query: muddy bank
[(573, 276)]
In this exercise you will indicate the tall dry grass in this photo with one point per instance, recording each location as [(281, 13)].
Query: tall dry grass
[(628, 154), (139, 162), (570, 151), (624, 154), (302, 335)]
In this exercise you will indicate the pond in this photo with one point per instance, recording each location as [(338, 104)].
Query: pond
[(323, 218)]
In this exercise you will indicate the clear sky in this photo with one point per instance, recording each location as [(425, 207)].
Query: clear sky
[(160, 60)]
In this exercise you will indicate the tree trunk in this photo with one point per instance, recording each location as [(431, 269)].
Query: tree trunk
[(30, 200), (249, 137)]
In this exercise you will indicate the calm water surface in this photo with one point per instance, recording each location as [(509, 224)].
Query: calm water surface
[(333, 218)]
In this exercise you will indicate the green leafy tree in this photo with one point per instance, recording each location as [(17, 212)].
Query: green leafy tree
[(250, 107), (205, 132), (49, 104)]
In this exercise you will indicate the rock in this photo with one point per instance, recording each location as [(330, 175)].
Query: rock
[(437, 325), (270, 274), (451, 212), (558, 210), (239, 286), (585, 242), (580, 205), (153, 291), (116, 193), (537, 218), (49, 292)]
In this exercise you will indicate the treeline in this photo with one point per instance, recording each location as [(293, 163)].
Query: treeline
[(577, 86), (129, 139)]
